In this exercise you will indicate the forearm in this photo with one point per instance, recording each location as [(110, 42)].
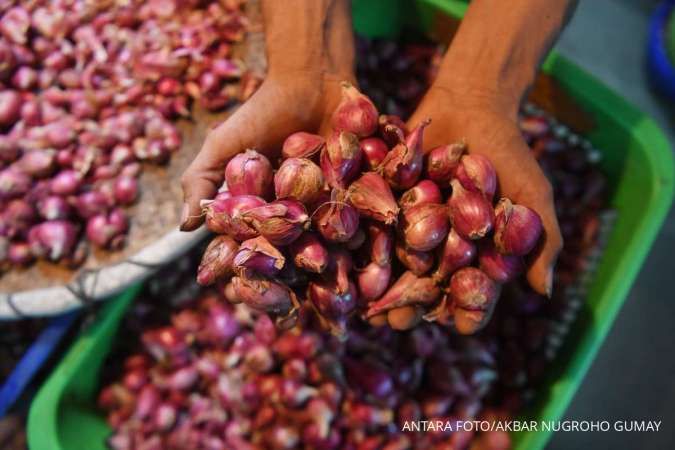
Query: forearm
[(308, 35), (499, 45)]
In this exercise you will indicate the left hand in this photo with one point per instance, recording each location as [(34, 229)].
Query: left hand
[(489, 128)]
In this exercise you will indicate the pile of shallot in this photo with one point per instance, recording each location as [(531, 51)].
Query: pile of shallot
[(218, 376), (365, 223), (87, 92)]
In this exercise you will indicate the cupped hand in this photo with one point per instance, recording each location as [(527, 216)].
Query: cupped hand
[(489, 127), (284, 103)]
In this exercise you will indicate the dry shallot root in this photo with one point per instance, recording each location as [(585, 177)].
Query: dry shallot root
[(220, 376), (88, 90), (373, 226)]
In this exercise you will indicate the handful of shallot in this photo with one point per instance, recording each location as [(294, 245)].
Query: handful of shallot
[(363, 223)]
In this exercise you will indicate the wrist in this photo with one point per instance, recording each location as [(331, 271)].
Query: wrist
[(474, 84), (300, 37)]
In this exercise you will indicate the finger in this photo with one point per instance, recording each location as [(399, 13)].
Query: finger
[(540, 271), (205, 174)]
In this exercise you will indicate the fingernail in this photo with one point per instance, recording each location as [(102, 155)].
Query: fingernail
[(549, 283), (184, 215)]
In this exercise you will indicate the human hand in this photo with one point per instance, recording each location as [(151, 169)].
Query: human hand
[(284, 103), (310, 50), (488, 126)]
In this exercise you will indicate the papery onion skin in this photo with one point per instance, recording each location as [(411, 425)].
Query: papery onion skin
[(415, 261), (455, 253), (477, 174), (217, 260), (442, 162), (374, 151), (299, 178), (373, 281), (425, 226), (474, 296), (280, 222), (403, 165), (517, 228), (249, 173), (341, 159), (337, 221), (372, 197), (501, 268), (302, 145), (470, 213), (259, 256), (380, 241), (407, 290), (309, 253), (224, 215), (392, 129), (262, 294), (426, 191), (52, 240), (355, 113)]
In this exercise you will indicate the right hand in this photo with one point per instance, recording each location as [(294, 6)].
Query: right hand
[(285, 103)]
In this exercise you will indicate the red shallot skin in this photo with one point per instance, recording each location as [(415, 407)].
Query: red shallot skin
[(16, 218), (66, 182), (125, 190), (280, 222), (355, 113), (403, 165), (471, 214), (249, 173), (476, 173), (455, 253), (91, 203), (258, 255), (302, 145), (473, 296), (37, 163), (425, 226), (380, 242), (10, 107), (336, 220), (107, 230), (53, 239), (426, 191), (262, 294), (299, 178), (339, 269), (517, 228), (333, 306), (372, 198), (224, 215), (501, 268), (392, 129), (341, 159), (442, 162), (13, 183), (54, 207), (330, 300), (217, 260), (309, 253), (407, 290), (373, 281), (374, 151), (415, 261)]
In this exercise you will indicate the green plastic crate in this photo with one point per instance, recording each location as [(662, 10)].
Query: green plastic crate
[(638, 161)]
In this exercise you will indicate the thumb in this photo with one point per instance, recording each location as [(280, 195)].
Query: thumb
[(205, 174)]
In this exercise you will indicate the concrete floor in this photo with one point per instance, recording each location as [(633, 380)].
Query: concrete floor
[(633, 377)]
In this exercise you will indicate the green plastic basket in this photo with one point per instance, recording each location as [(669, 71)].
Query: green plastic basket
[(638, 161)]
